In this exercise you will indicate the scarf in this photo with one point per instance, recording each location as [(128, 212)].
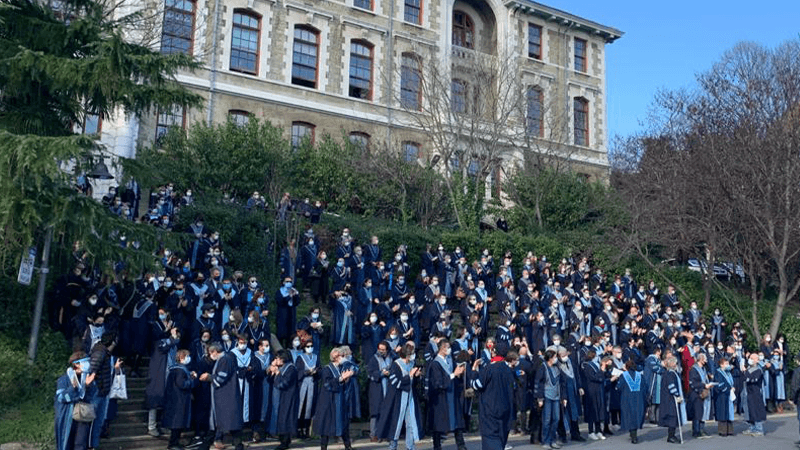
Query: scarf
[(141, 308), (264, 359), (243, 359), (566, 368)]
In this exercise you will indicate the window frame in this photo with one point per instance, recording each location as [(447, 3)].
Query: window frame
[(465, 31), (417, 6), (193, 14), (166, 126), (584, 131), (315, 32), (234, 25), (308, 125), (416, 146), (464, 103), (540, 119), (583, 59), (365, 138), (371, 48), (235, 114), (371, 5), (415, 71), (532, 26)]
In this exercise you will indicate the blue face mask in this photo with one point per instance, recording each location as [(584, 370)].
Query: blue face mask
[(187, 269), (261, 301), (226, 286), (168, 284), (340, 263), (287, 285), (162, 317), (179, 292), (84, 364)]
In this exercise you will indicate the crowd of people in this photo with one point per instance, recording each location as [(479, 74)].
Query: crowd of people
[(539, 346)]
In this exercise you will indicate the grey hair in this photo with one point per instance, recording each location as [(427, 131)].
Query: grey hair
[(216, 347)]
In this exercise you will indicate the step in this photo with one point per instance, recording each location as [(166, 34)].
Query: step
[(131, 404), (131, 416), (121, 429), (137, 442)]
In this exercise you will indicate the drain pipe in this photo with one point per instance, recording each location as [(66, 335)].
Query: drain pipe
[(213, 75), (390, 82)]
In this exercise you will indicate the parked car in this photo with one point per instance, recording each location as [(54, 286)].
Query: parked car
[(720, 271)]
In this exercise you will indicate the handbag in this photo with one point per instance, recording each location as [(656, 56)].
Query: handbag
[(119, 387), (83, 412)]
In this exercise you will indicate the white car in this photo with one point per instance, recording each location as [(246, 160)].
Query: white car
[(720, 271)]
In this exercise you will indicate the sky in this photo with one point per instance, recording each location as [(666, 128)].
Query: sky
[(666, 44)]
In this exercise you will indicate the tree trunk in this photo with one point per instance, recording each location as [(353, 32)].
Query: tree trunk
[(538, 212), (777, 313), (453, 201)]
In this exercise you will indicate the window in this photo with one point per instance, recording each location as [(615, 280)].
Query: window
[(244, 43), (240, 118), (410, 151), (413, 11), (360, 70), (177, 33), (463, 30), (304, 57), (455, 162), (363, 4), (580, 55), (534, 41), (458, 96), (301, 131), (472, 169), (92, 124), (360, 140), (169, 119), (410, 82), (533, 118), (581, 113)]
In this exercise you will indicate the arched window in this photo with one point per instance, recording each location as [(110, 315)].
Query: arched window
[(305, 56), (360, 140), (301, 131), (581, 117), (360, 70), (244, 42), (410, 82), (410, 151), (177, 32), (239, 117), (533, 118), (458, 96), (463, 30)]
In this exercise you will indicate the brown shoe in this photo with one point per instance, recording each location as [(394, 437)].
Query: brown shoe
[(373, 439), (219, 445)]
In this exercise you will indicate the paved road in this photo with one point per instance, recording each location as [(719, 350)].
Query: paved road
[(781, 433)]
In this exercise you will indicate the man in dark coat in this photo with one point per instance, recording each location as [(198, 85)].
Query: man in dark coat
[(178, 398), (594, 411), (287, 299), (754, 397), (332, 417), (632, 388), (285, 398), (226, 398), (444, 407), (672, 412), (165, 344), (400, 407), (378, 373), (495, 382), (700, 395), (261, 394)]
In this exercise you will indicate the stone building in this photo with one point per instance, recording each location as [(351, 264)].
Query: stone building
[(354, 67)]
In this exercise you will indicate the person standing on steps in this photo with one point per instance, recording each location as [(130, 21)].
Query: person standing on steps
[(632, 388), (444, 406), (332, 417), (226, 398), (672, 412), (285, 398)]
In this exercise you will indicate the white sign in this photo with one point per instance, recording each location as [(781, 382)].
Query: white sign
[(26, 267)]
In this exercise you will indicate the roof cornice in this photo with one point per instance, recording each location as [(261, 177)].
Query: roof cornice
[(563, 18)]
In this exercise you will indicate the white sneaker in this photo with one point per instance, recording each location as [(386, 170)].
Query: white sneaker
[(593, 436), (601, 436)]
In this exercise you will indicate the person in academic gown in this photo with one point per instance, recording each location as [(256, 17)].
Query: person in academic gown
[(202, 363), (261, 394), (333, 416), (724, 393), (400, 409), (308, 368), (287, 298), (672, 412), (165, 338), (226, 397), (178, 398), (572, 393), (246, 367), (444, 407), (495, 382), (594, 411), (698, 383), (285, 404), (74, 386), (312, 324), (136, 329), (755, 406), (653, 371), (633, 389), (372, 333), (342, 330), (378, 374)]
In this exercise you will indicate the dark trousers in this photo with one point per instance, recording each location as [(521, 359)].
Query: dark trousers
[(235, 435), (437, 439), (535, 423), (323, 440), (285, 441), (174, 437), (79, 435)]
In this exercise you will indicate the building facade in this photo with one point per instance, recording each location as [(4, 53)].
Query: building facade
[(353, 67)]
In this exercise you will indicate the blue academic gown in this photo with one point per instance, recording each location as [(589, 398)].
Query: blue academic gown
[(723, 405), (444, 407), (378, 382), (284, 401), (332, 415), (286, 313), (669, 414), (226, 397), (178, 398), (66, 397), (495, 382), (343, 332), (399, 402), (261, 394), (633, 388)]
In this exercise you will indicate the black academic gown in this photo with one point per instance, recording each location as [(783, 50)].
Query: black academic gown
[(178, 396), (285, 400), (332, 416), (495, 382), (378, 382), (444, 407), (226, 397), (669, 414), (632, 392), (753, 381), (399, 383), (594, 396)]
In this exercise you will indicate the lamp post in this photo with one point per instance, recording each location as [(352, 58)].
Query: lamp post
[(101, 172)]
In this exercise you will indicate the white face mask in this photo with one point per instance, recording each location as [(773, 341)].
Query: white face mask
[(254, 284), (392, 336), (309, 350), (564, 359), (373, 319), (242, 347), (210, 315), (226, 338), (443, 301), (250, 320), (296, 343), (315, 316), (187, 360), (403, 317)]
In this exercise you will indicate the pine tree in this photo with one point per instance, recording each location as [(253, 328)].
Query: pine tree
[(56, 67)]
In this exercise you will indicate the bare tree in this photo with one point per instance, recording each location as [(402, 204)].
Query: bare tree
[(719, 177)]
